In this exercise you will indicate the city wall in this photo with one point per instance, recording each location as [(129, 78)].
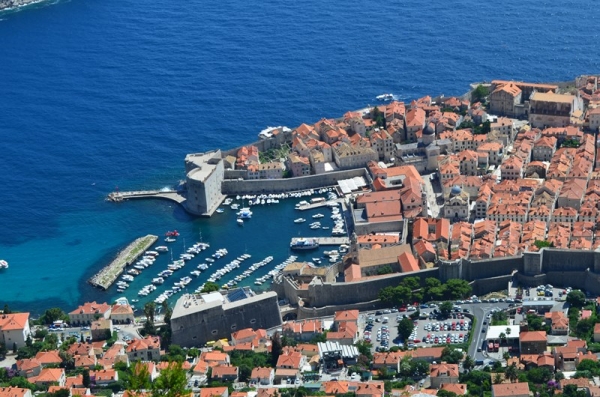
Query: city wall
[(314, 312), (265, 186)]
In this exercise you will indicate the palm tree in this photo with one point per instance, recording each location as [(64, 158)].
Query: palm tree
[(512, 373), (506, 356), (498, 378), (503, 336), (468, 363)]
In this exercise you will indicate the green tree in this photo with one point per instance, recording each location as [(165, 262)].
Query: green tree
[(498, 378), (434, 289), (276, 348), (451, 355), (364, 348), (378, 117), (572, 391), (405, 328), (387, 269), (171, 382), (539, 375), (6, 309), (210, 287), (543, 244), (52, 315), (576, 298), (139, 379), (512, 373), (468, 363), (446, 308), (480, 93), (445, 393), (458, 289), (86, 378)]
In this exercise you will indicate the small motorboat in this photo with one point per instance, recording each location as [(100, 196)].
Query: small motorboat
[(240, 221)]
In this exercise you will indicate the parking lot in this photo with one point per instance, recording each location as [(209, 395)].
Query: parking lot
[(431, 328)]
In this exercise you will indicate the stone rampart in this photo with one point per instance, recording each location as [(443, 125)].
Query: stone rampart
[(476, 270), (492, 284), (265, 186), (314, 312)]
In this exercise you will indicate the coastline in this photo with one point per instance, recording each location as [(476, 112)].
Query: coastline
[(15, 5)]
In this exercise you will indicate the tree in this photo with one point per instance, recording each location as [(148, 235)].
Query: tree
[(86, 378), (543, 244), (498, 378), (6, 309), (512, 373), (171, 382), (52, 315), (576, 298), (434, 289), (539, 375), (445, 393), (451, 355), (458, 289), (364, 348), (469, 363), (405, 328), (276, 348), (378, 117), (387, 269), (139, 379), (210, 287), (446, 308), (480, 93)]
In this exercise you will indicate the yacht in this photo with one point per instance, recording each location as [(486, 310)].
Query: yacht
[(244, 213), (385, 97), (240, 221), (170, 239), (195, 273), (299, 220), (161, 248), (220, 210), (304, 244), (317, 216), (158, 280)]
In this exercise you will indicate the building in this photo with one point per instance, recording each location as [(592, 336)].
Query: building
[(298, 165), (15, 392), (504, 99), (122, 314), (101, 329), (204, 176), (532, 342), (88, 312), (347, 156), (552, 110), (198, 319), (262, 376), (14, 329), (511, 390), (147, 349), (458, 205), (443, 373)]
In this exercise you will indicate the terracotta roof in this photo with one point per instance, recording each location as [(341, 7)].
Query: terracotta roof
[(13, 321), (213, 391), (92, 308), (13, 392), (533, 336), (149, 342), (510, 389), (443, 369)]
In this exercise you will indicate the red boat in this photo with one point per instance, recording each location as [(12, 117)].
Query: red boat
[(174, 233)]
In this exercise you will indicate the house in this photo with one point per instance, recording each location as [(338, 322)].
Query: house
[(14, 392), (104, 377), (214, 358), (89, 312), (431, 229), (214, 392), (29, 367), (288, 365), (443, 373), (504, 98), (346, 334), (532, 342), (345, 316), (298, 165), (122, 314), (147, 349), (511, 390), (568, 357), (101, 329), (597, 332), (14, 329), (369, 389), (49, 376), (225, 373), (512, 168), (50, 357), (558, 322), (262, 376), (459, 389), (389, 360)]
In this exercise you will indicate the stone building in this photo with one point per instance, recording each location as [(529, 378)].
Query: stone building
[(457, 205), (204, 175), (198, 319)]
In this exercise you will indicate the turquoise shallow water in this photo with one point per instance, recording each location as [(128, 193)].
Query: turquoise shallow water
[(102, 93)]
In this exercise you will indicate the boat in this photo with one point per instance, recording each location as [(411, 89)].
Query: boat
[(244, 213), (158, 280), (3, 264), (195, 273), (317, 216), (304, 244), (315, 226), (173, 233), (161, 248), (240, 222), (385, 97), (220, 210), (299, 220), (235, 206), (170, 239)]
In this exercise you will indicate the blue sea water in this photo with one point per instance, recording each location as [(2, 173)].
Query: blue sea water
[(96, 94)]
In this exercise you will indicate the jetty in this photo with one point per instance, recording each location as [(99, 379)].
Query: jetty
[(326, 240), (109, 274), (172, 195)]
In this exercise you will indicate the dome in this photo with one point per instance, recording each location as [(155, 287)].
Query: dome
[(456, 190), (429, 130)]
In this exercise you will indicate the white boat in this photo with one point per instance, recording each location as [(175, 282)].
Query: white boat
[(235, 206), (158, 280), (220, 210), (170, 239), (245, 213), (315, 226), (161, 248), (3, 264), (195, 273), (317, 216), (385, 97), (299, 220), (240, 222)]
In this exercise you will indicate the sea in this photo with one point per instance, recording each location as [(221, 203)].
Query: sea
[(103, 94)]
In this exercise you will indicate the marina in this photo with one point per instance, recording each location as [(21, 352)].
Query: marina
[(109, 274)]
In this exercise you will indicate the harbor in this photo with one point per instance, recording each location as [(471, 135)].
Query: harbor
[(323, 240), (109, 274)]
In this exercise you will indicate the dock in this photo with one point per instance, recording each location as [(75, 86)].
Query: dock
[(109, 274), (172, 195), (327, 240)]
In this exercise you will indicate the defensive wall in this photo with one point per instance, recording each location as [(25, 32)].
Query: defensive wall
[(579, 269), (231, 187), (314, 312)]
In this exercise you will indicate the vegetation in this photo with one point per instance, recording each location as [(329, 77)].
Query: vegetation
[(210, 287), (378, 117), (576, 298), (52, 315), (572, 143), (479, 94), (405, 328), (451, 355), (411, 290), (387, 269), (446, 308), (500, 318), (274, 154), (543, 244)]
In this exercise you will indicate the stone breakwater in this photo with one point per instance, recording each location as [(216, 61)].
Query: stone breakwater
[(109, 274), (6, 5)]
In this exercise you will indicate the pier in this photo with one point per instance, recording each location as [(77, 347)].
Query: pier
[(327, 240), (109, 274), (172, 195)]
